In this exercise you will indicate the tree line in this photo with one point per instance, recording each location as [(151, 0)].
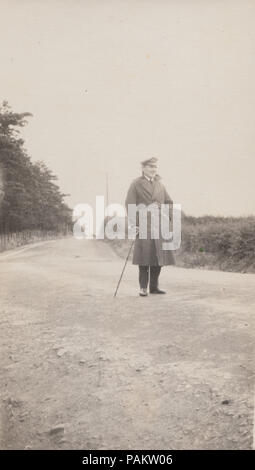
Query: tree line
[(29, 196)]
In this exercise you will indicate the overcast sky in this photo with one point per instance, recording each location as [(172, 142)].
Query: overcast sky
[(110, 83)]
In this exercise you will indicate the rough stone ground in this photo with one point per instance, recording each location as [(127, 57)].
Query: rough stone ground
[(83, 370)]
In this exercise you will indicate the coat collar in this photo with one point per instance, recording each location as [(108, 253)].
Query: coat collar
[(156, 177), (148, 187)]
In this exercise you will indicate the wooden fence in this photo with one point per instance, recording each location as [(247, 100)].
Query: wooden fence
[(9, 241)]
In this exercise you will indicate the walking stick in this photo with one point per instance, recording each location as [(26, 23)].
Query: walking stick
[(131, 246)]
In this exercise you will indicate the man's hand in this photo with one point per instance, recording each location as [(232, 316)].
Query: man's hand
[(133, 227)]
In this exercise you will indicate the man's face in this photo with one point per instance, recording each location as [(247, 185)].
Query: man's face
[(150, 170)]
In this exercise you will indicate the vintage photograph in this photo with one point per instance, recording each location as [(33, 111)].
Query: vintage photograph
[(127, 224)]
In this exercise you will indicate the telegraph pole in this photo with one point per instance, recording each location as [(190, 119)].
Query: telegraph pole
[(107, 189)]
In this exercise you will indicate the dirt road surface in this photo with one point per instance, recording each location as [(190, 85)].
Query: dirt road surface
[(83, 370)]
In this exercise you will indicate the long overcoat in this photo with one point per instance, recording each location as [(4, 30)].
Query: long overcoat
[(149, 251)]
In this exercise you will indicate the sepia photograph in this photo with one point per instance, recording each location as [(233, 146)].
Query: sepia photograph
[(127, 227)]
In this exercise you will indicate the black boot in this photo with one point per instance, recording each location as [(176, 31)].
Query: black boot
[(157, 291)]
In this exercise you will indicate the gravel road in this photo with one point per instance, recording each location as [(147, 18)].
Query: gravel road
[(83, 370)]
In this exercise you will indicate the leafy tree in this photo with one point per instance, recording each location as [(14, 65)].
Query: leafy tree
[(30, 197)]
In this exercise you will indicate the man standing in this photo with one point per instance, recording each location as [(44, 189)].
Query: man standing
[(149, 254)]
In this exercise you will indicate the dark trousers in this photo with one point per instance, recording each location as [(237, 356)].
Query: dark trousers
[(146, 272)]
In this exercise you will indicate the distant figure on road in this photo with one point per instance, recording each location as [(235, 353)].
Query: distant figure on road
[(148, 253)]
